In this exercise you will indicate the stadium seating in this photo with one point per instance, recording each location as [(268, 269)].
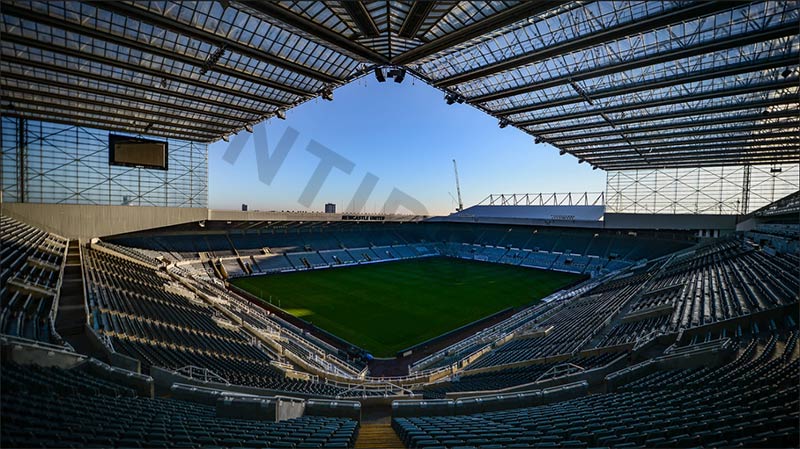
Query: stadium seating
[(678, 408), (31, 266), (53, 407), (572, 324), (131, 304), (367, 242), (157, 307), (511, 377)]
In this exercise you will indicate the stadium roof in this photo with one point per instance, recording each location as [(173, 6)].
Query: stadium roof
[(628, 84)]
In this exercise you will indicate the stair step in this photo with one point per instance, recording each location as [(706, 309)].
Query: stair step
[(379, 435)]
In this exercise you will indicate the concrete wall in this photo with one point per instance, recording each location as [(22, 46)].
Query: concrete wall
[(77, 221)]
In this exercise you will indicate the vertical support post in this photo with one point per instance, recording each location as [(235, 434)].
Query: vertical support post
[(22, 158), (745, 190)]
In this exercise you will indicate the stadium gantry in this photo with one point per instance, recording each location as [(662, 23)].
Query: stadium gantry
[(662, 312)]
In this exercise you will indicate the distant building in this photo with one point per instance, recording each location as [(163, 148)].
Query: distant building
[(330, 208), (244, 207)]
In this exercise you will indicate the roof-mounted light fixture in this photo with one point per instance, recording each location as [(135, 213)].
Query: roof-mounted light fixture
[(379, 75)]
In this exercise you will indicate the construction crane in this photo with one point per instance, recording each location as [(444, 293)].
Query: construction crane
[(458, 188)]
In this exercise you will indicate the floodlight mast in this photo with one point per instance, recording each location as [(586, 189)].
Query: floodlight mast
[(458, 188)]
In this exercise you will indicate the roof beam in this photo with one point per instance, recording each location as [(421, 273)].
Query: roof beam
[(156, 116), (135, 99), (591, 39), (98, 123), (358, 12), (26, 63), (706, 95), (707, 161), (660, 58), (504, 18), (699, 152), (582, 142), (790, 99), (157, 51), (415, 17), (736, 69), (137, 68), (653, 153), (333, 39), (674, 143), (20, 103), (670, 126), (170, 24)]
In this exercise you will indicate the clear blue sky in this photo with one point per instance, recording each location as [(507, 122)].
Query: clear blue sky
[(407, 136)]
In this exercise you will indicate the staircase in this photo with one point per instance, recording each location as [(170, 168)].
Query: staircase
[(378, 435), (71, 313)]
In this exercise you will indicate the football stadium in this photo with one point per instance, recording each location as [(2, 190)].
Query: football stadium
[(659, 312)]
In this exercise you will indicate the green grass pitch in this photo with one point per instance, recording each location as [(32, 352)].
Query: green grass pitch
[(386, 307)]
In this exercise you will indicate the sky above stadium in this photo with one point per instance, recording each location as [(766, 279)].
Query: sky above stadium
[(385, 146)]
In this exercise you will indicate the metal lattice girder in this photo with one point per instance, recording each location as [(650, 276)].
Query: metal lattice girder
[(312, 28), (32, 83), (419, 11), (52, 106), (268, 105), (144, 14), (680, 80), (358, 12), (97, 122), (703, 95), (196, 61), (19, 95), (775, 147), (762, 105), (655, 130), (663, 18), (721, 132), (693, 190), (588, 77), (734, 160), (456, 38), (156, 89), (650, 143), (650, 154), (659, 58)]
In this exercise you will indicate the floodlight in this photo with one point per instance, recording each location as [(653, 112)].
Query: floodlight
[(503, 123), (248, 127), (281, 114), (225, 138), (399, 75), (379, 75), (327, 94)]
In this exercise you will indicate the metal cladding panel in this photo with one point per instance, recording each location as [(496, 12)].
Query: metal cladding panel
[(555, 213)]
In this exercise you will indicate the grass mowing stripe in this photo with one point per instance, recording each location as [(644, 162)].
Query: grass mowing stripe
[(386, 307)]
